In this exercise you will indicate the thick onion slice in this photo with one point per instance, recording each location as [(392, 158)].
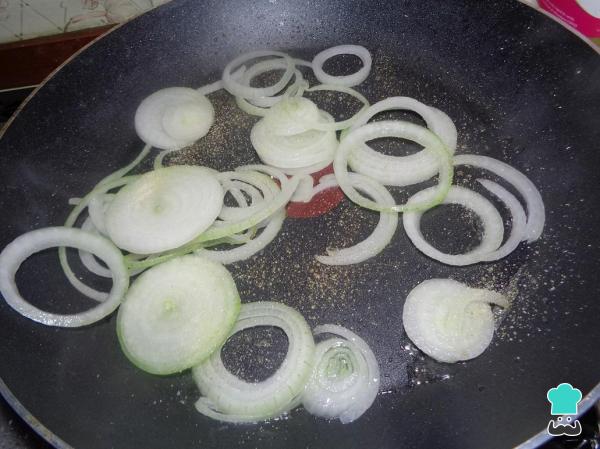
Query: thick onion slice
[(383, 232), (402, 170), (536, 214), (228, 398), (173, 118), (32, 242), (164, 209), (237, 89), (250, 248), (347, 80), (493, 227), (403, 130), (176, 314), (450, 321), (345, 377), (287, 142)]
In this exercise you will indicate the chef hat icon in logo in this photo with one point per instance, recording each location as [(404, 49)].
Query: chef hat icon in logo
[(564, 399)]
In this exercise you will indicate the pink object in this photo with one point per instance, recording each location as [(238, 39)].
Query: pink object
[(583, 15)]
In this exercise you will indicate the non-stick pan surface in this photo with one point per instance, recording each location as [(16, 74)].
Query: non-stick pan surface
[(519, 88)]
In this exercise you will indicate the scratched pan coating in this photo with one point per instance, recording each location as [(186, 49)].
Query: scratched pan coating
[(519, 88)]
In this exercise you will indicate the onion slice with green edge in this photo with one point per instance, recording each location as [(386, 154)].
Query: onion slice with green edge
[(251, 247), (249, 182), (346, 80), (89, 260), (173, 118), (16, 252), (536, 214), (450, 321), (103, 187), (345, 377), (237, 89), (121, 172), (518, 225), (288, 187), (403, 130), (164, 209), (112, 181), (382, 234), (493, 227), (402, 170), (176, 314), (228, 398)]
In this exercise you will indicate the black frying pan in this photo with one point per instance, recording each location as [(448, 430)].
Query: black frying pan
[(519, 87)]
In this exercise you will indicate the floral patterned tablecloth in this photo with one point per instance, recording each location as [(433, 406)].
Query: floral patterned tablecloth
[(27, 19)]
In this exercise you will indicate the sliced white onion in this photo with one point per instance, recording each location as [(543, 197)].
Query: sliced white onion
[(304, 192), (173, 118), (15, 253), (399, 129), (264, 67), (267, 209), (347, 80), (107, 184), (97, 209), (228, 398), (518, 224), (176, 314), (402, 170), (381, 235), (493, 227), (250, 248), (87, 259), (536, 214), (249, 180), (237, 89), (300, 150), (450, 321), (309, 169), (164, 209), (292, 116), (345, 377)]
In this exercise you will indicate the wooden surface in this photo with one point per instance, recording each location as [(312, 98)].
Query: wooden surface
[(27, 63)]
